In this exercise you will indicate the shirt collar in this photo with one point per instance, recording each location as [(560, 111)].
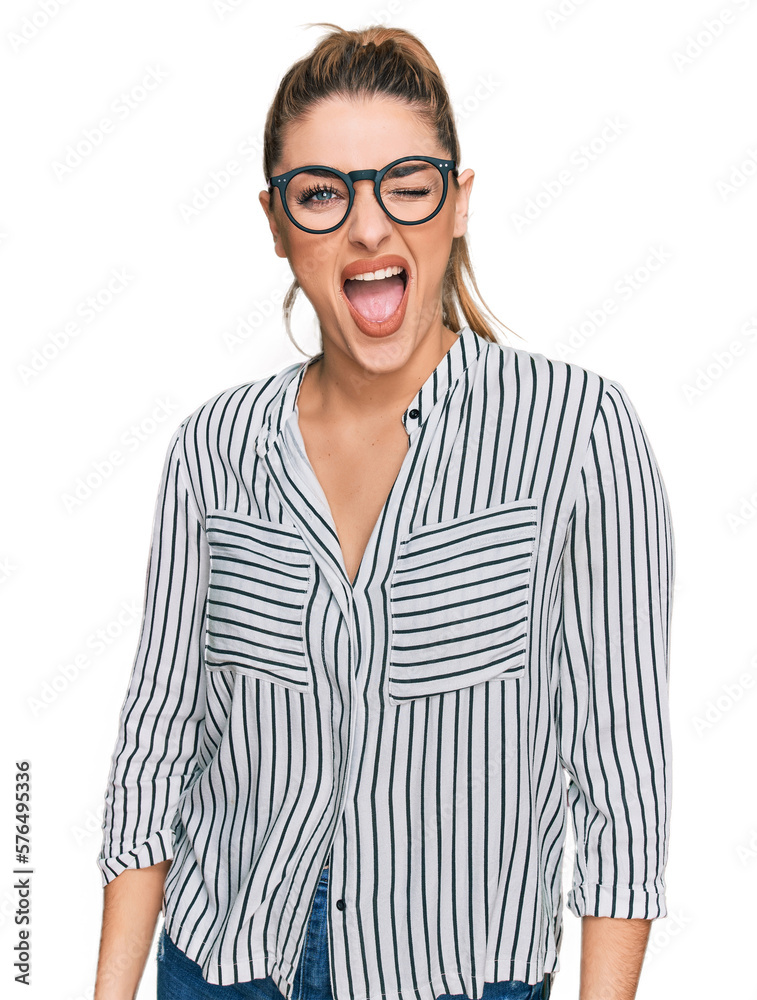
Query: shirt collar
[(460, 355)]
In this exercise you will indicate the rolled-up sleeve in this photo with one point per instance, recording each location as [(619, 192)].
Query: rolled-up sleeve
[(613, 713), (162, 714)]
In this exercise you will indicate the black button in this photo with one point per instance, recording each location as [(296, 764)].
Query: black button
[(414, 413), (340, 904)]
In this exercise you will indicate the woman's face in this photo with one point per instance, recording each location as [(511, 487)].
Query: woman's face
[(354, 135)]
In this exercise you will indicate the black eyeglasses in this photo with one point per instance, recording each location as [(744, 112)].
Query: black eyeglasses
[(410, 190)]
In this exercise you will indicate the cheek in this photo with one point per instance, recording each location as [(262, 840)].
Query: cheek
[(312, 260), (432, 251)]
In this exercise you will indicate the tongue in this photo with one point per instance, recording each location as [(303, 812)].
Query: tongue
[(376, 300)]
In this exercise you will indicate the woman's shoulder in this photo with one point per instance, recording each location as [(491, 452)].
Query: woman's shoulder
[(227, 421), (544, 368), (583, 397), (243, 403)]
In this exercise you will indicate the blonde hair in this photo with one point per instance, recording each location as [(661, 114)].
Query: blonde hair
[(379, 60)]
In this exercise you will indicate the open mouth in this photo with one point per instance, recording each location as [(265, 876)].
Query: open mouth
[(376, 296)]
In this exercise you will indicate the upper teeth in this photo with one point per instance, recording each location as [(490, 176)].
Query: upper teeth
[(383, 272)]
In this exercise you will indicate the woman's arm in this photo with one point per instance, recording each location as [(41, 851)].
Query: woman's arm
[(160, 730), (612, 953), (131, 905), (613, 712)]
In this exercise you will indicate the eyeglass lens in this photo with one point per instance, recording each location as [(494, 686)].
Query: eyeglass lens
[(411, 191)]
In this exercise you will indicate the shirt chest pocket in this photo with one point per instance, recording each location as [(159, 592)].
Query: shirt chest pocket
[(460, 597), (260, 576)]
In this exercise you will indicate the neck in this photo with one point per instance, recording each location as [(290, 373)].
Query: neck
[(341, 388)]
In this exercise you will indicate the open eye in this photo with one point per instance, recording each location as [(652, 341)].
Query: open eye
[(313, 194)]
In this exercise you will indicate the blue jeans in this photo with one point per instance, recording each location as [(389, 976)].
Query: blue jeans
[(179, 978)]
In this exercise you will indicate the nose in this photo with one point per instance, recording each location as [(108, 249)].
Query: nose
[(368, 223)]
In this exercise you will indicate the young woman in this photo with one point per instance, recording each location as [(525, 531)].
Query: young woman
[(394, 593)]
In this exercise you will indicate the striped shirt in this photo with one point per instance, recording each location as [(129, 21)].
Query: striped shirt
[(499, 664)]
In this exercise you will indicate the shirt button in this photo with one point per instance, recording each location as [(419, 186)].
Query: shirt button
[(414, 413), (340, 904)]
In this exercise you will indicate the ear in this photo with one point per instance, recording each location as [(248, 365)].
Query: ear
[(465, 184), (278, 244)]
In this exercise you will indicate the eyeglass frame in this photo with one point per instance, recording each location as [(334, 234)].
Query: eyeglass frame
[(282, 180)]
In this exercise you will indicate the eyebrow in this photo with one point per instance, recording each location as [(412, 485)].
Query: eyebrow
[(405, 169), (401, 170), (316, 172)]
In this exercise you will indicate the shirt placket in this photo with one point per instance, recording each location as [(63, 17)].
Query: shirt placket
[(300, 492)]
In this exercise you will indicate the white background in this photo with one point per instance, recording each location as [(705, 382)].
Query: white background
[(531, 85)]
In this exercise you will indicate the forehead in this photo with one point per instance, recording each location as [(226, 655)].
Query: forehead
[(357, 133)]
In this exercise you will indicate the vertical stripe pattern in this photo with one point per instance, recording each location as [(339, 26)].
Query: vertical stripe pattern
[(498, 668)]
